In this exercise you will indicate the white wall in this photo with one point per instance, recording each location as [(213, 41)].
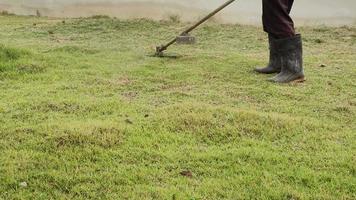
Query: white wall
[(328, 12)]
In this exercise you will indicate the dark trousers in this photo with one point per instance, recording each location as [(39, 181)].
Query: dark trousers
[(276, 18)]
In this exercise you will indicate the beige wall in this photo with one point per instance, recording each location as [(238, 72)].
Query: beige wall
[(328, 12)]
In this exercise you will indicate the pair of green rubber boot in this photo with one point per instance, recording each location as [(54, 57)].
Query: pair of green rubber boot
[(286, 59)]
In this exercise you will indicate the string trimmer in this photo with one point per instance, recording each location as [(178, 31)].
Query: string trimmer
[(184, 37)]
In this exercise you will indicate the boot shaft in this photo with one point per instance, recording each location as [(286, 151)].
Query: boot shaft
[(285, 45), (291, 53)]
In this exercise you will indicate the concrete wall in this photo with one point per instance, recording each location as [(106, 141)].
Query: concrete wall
[(328, 12)]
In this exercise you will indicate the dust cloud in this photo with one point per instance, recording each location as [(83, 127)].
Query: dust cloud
[(328, 12)]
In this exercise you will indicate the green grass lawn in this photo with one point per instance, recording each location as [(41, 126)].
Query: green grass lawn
[(85, 113)]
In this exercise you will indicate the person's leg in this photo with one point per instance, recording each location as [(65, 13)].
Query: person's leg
[(278, 24), (290, 5), (276, 19), (285, 46)]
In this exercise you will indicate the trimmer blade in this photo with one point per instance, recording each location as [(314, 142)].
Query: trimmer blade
[(160, 54), (165, 56)]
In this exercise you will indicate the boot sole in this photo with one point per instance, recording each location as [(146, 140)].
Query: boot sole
[(299, 80)]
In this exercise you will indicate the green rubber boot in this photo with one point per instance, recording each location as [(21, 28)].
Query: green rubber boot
[(274, 61), (291, 59)]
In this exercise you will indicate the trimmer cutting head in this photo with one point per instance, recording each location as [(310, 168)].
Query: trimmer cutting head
[(181, 39), (159, 51)]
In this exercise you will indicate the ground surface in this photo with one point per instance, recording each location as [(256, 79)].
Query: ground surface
[(85, 113)]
